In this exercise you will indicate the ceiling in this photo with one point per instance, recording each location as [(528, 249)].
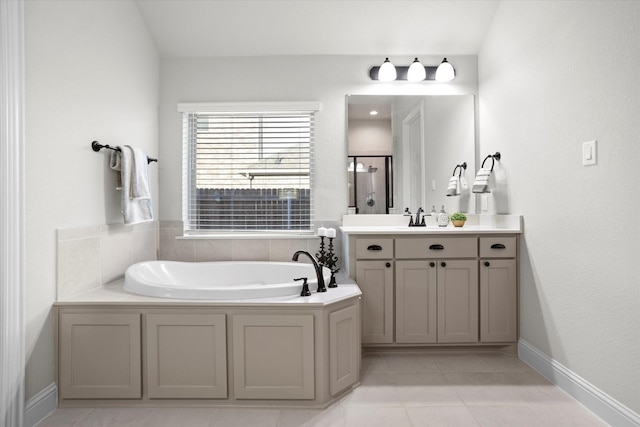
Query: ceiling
[(214, 28)]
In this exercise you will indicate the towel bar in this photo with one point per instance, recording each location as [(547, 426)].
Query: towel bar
[(96, 146)]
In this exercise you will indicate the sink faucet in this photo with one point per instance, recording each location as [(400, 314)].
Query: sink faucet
[(418, 212), (418, 222), (316, 266)]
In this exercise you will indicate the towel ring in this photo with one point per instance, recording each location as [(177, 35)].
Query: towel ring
[(462, 166), (96, 146), (493, 158)]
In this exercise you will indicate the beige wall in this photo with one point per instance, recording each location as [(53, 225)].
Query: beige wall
[(552, 76), (370, 138), (91, 74)]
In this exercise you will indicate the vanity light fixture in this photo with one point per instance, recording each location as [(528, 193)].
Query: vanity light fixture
[(445, 72), (387, 71), (416, 72), (373, 113)]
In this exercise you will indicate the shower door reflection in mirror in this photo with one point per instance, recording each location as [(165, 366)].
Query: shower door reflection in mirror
[(370, 184)]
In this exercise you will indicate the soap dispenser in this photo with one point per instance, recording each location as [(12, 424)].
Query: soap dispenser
[(442, 218)]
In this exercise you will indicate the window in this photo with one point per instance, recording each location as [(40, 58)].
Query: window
[(248, 167)]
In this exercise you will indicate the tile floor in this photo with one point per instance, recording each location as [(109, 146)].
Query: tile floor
[(397, 390)]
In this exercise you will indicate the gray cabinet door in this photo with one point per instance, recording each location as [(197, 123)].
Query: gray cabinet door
[(457, 301), (498, 301), (99, 356), (375, 279), (273, 356), (186, 356), (416, 302), (344, 349)]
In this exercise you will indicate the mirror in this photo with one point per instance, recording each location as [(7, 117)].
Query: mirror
[(424, 137)]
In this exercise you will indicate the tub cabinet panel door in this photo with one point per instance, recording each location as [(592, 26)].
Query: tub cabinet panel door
[(99, 356), (273, 356), (186, 356), (344, 349)]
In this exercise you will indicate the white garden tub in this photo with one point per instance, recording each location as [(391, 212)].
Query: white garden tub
[(220, 280)]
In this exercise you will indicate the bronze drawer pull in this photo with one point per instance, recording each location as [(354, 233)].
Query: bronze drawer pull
[(374, 248), (436, 247), (498, 246)]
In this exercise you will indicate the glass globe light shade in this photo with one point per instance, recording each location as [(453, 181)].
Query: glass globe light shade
[(445, 72), (387, 72), (416, 72)]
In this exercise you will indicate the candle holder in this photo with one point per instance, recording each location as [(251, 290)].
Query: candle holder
[(321, 255), (330, 262)]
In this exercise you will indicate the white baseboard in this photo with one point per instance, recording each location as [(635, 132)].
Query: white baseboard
[(41, 405), (598, 402)]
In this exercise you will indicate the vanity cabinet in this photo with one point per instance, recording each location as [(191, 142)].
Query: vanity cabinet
[(436, 289), (374, 275)]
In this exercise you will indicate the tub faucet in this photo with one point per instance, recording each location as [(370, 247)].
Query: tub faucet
[(316, 266)]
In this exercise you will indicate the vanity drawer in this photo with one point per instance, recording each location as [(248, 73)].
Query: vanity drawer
[(437, 247), (497, 247), (374, 248)]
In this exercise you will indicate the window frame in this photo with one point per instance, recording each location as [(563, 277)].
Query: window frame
[(188, 182)]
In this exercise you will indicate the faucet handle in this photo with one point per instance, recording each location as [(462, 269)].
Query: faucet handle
[(305, 287)]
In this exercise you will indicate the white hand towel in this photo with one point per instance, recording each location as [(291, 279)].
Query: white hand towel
[(136, 202), (481, 184), (116, 165), (139, 175), (453, 189)]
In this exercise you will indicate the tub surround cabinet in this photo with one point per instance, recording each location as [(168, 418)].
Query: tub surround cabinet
[(436, 289), (139, 353)]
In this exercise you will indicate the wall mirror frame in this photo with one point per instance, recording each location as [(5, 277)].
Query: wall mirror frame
[(425, 137)]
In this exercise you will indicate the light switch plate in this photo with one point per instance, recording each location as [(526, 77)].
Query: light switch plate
[(589, 153)]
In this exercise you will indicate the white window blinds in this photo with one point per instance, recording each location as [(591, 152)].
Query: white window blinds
[(247, 170)]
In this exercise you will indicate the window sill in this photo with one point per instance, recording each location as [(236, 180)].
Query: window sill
[(239, 236)]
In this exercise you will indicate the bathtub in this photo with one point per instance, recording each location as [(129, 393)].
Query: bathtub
[(220, 280)]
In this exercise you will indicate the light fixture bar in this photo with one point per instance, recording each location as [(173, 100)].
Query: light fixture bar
[(402, 72)]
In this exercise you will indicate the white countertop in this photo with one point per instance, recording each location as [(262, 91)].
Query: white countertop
[(114, 294), (397, 224)]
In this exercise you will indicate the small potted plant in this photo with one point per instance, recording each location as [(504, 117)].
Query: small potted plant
[(458, 219)]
